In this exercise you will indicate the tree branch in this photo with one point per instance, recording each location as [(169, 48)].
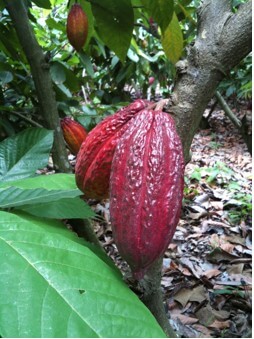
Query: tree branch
[(42, 80), (32, 122), (227, 110)]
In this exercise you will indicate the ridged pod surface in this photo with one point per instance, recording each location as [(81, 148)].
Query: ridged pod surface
[(93, 165), (74, 134), (77, 27), (146, 189)]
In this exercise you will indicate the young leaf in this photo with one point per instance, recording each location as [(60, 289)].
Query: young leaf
[(53, 286), (22, 154), (172, 40), (114, 20)]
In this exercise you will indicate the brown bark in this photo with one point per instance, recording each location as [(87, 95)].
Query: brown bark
[(42, 80)]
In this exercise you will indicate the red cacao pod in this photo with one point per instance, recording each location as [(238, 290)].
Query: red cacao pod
[(146, 189), (77, 27), (92, 170), (74, 134)]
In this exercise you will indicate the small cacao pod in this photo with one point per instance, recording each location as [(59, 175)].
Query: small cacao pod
[(77, 27), (92, 170), (74, 134), (146, 189)]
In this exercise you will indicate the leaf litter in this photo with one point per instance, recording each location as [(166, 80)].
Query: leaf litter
[(206, 280)]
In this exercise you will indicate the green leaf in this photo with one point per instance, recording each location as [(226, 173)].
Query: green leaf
[(57, 71), (42, 3), (13, 196), (49, 196), (5, 77), (72, 208), (21, 155), (60, 181), (114, 24), (172, 40), (161, 11), (53, 286), (86, 61)]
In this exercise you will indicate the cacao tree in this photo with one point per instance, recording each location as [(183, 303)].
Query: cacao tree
[(199, 59)]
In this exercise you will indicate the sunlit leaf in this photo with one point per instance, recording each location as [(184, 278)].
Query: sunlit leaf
[(172, 40)]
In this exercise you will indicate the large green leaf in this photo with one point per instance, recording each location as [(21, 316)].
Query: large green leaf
[(21, 155), (49, 196), (53, 286), (59, 181), (13, 196), (66, 208), (114, 24), (172, 40), (160, 10)]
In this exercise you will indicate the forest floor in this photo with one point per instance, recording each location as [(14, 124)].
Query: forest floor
[(206, 278)]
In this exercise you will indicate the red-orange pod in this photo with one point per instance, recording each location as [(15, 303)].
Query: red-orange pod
[(146, 189), (74, 134), (77, 27), (93, 165)]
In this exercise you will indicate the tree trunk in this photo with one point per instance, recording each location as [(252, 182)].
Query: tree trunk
[(223, 40), (42, 80)]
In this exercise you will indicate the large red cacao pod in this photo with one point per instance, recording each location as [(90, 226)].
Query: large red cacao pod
[(77, 27), (146, 189), (93, 165), (74, 134)]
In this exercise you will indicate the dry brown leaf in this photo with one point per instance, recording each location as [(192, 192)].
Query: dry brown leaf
[(220, 325), (205, 316), (234, 239), (217, 205), (185, 271), (206, 333), (227, 247), (198, 294), (212, 273), (185, 320), (183, 296), (195, 269), (235, 269), (172, 246), (215, 240), (196, 235), (218, 255)]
